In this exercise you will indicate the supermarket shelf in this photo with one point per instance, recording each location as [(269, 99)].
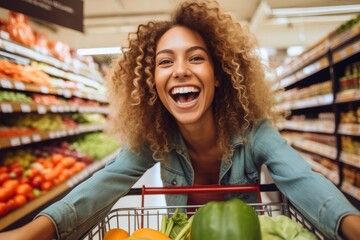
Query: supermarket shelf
[(315, 101), (308, 126), (67, 93), (315, 147), (77, 67), (349, 95), (351, 189), (346, 52), (345, 37), (305, 59), (42, 136), (303, 73), (350, 159), (56, 191), (352, 129), (10, 107)]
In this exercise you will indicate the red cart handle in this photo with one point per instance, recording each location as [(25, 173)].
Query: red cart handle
[(200, 189)]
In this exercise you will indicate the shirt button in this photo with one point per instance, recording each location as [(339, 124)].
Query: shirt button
[(174, 182)]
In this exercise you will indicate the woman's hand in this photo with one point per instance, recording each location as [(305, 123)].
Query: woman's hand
[(350, 227), (41, 229)]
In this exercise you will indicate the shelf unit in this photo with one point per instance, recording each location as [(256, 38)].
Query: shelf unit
[(310, 89), (47, 198), (76, 71)]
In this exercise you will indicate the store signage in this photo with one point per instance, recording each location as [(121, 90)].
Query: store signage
[(67, 13)]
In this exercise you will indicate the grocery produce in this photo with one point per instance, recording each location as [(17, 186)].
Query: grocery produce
[(177, 227), (116, 234), (283, 228), (230, 220), (152, 234)]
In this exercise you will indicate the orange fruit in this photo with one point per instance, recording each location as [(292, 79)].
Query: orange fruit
[(116, 234), (150, 233)]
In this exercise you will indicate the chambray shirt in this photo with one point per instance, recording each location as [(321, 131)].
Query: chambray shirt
[(315, 196)]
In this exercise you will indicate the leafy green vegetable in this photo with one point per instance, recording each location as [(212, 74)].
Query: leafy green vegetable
[(177, 227), (283, 227)]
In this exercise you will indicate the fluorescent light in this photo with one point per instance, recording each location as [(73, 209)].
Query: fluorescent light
[(308, 11), (99, 51)]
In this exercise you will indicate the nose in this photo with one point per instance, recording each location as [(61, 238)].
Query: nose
[(181, 70)]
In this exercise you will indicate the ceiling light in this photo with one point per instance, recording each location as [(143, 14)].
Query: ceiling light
[(99, 51), (342, 9)]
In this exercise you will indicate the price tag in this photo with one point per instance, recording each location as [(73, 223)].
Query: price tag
[(71, 131), (41, 109), (36, 138), (78, 94), (60, 91), (25, 140), (53, 108), (44, 89), (6, 108), (67, 94), (9, 47), (19, 85), (15, 142), (25, 108), (5, 83)]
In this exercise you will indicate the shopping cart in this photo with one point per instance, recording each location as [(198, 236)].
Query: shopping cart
[(134, 218)]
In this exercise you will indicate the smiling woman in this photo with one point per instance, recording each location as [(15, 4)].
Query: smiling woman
[(191, 94)]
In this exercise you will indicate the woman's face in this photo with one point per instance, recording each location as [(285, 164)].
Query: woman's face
[(184, 75)]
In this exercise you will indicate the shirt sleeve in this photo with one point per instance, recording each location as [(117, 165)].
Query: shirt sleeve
[(317, 198), (89, 202)]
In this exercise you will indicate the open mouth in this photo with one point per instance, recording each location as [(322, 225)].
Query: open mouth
[(183, 95)]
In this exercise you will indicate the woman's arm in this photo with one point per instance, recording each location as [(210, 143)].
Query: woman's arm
[(349, 227), (41, 228)]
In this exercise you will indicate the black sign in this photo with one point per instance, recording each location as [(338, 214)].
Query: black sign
[(67, 13)]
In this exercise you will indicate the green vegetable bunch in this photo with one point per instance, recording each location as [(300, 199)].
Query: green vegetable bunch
[(176, 227), (282, 227)]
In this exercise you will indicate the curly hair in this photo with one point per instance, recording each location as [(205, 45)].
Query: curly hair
[(137, 115)]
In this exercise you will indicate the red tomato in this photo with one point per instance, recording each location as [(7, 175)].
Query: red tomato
[(11, 183), (3, 177), (4, 169), (6, 194), (23, 189), (3, 209), (11, 205), (46, 186), (20, 200), (36, 181)]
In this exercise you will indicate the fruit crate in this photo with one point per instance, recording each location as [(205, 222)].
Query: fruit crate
[(133, 218)]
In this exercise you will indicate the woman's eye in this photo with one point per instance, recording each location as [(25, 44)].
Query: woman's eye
[(165, 62), (196, 59)]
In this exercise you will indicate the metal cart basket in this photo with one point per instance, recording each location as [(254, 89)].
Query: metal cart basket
[(134, 218)]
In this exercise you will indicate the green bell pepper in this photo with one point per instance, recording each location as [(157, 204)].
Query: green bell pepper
[(229, 220)]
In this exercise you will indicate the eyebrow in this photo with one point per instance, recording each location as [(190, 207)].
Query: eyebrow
[(187, 51)]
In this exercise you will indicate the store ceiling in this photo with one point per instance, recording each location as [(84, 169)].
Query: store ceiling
[(107, 22)]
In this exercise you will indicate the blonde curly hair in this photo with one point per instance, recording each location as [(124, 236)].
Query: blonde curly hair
[(137, 115)]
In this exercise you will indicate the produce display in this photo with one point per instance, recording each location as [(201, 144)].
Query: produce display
[(29, 172), (96, 145), (9, 96)]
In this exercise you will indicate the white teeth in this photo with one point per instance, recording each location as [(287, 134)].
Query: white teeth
[(182, 90)]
